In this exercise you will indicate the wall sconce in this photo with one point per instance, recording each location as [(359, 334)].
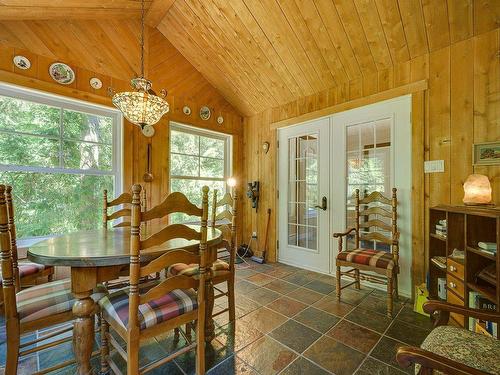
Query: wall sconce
[(265, 147), (477, 189)]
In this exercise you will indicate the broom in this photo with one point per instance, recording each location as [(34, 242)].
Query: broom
[(262, 258)]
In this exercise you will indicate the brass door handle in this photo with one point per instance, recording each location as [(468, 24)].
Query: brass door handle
[(323, 204)]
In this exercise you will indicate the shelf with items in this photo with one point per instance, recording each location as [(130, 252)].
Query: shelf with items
[(469, 268)]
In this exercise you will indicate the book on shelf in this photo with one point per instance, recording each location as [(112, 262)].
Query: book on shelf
[(439, 261), (476, 301), (489, 246)]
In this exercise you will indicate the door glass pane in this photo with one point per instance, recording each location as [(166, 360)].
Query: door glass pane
[(368, 166), (303, 191)]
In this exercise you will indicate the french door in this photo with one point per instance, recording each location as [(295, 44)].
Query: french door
[(322, 162), (304, 195)]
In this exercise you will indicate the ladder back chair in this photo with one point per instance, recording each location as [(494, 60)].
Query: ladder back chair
[(125, 200), (221, 271), (368, 223), (31, 309), (25, 273), (145, 310)]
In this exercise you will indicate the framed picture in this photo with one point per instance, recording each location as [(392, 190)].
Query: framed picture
[(486, 153)]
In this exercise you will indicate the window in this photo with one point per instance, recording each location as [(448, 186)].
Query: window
[(59, 155), (198, 158)]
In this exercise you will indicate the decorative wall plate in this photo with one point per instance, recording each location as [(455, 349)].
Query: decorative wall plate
[(220, 120), (62, 73), (186, 110), (95, 83), (205, 113), (22, 62), (148, 131)]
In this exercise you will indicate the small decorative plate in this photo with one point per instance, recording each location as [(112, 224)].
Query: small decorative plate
[(205, 113), (220, 120), (62, 73), (95, 83), (148, 131), (186, 110), (22, 62)]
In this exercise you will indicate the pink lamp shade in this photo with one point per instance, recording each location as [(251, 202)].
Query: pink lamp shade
[(477, 189)]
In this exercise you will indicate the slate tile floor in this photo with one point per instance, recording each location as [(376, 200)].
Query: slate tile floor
[(288, 322)]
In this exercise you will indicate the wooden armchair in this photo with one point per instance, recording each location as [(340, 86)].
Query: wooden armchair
[(25, 273), (369, 258), (145, 310), (453, 350), (221, 271)]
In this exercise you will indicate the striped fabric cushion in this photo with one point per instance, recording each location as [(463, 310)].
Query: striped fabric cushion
[(192, 269), (48, 299), (27, 268), (168, 306), (369, 257)]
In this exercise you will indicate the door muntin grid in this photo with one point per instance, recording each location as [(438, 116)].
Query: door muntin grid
[(368, 168), (303, 192)]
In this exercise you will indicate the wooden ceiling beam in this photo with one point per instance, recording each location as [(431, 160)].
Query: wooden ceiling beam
[(157, 12), (26, 13)]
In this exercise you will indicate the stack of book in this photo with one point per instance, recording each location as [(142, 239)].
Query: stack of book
[(442, 228), (488, 247), (477, 301)]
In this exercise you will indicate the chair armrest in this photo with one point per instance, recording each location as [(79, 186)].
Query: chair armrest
[(443, 309), (407, 355), (336, 235)]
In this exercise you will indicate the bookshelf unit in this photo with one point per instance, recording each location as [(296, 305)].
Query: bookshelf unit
[(466, 227)]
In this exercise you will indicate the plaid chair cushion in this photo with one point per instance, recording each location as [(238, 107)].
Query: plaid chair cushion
[(168, 306), (26, 269), (48, 299), (192, 269), (368, 257)]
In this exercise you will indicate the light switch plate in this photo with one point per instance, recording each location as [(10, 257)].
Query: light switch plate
[(434, 166)]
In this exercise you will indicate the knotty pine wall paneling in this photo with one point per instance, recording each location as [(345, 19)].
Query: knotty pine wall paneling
[(459, 107)]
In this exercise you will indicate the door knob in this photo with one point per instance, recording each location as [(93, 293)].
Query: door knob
[(323, 204)]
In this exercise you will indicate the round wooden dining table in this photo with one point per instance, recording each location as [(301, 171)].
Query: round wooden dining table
[(97, 256)]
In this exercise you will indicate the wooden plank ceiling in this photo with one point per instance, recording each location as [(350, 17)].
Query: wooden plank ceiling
[(260, 53)]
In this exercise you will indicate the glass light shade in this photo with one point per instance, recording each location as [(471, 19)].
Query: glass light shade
[(231, 182), (141, 108), (477, 189)]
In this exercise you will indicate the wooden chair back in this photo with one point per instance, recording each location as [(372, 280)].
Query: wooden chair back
[(175, 202), (124, 200), (6, 258), (368, 211), (228, 201)]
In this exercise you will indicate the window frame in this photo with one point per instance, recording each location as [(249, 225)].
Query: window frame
[(71, 104), (228, 157), (66, 103)]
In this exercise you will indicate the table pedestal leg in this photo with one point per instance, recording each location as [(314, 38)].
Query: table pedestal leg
[(209, 321), (83, 331)]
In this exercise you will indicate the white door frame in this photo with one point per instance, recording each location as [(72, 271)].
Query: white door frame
[(401, 131)]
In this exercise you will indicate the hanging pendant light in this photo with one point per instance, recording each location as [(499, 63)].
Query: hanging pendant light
[(141, 107)]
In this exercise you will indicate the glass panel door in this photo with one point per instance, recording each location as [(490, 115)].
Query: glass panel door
[(303, 191)]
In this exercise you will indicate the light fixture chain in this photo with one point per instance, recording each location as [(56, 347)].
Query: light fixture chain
[(142, 39)]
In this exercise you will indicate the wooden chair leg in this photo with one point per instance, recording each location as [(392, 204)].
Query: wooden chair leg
[(50, 277), (133, 353), (358, 280), (104, 347), (12, 358), (389, 296), (200, 349), (230, 296), (338, 283), (188, 329), (396, 288)]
